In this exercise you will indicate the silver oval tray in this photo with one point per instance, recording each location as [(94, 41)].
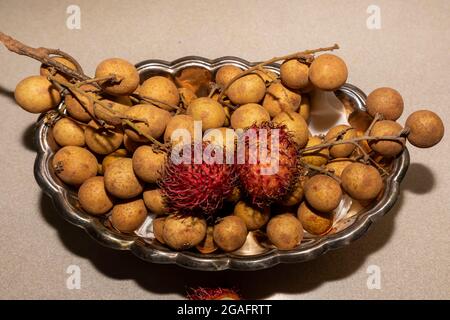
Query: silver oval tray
[(66, 203)]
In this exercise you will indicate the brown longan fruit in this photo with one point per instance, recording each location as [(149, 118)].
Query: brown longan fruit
[(179, 121), (361, 181), (126, 74), (148, 164), (128, 215), (305, 107), (74, 165), (338, 165), (249, 114), (155, 125), (67, 133), (93, 196), (313, 221), (323, 193), (77, 104), (182, 233), (208, 111), (253, 217), (294, 74), (226, 73), (224, 137), (121, 181), (113, 116), (296, 125), (113, 156), (230, 233), (285, 231), (101, 140), (386, 101), (45, 69), (161, 89), (154, 201), (341, 150), (187, 94), (248, 89), (295, 195), (131, 145), (328, 72), (278, 98), (425, 128), (317, 157), (384, 147), (36, 94), (158, 228)]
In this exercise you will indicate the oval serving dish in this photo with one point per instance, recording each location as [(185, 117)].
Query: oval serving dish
[(351, 223)]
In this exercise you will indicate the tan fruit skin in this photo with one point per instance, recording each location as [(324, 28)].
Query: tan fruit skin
[(74, 165), (315, 222), (129, 216), (120, 180), (253, 217), (102, 141), (158, 227), (183, 233), (36, 94), (147, 164), (294, 74), (160, 88), (296, 125), (230, 233), (76, 109), (93, 196), (426, 128), (285, 231), (225, 74), (156, 118), (338, 165), (44, 70), (315, 157), (67, 133), (386, 128), (208, 111), (386, 101), (279, 98), (123, 70), (361, 182), (328, 72), (181, 121), (154, 201), (249, 114), (343, 150), (323, 193), (248, 89)]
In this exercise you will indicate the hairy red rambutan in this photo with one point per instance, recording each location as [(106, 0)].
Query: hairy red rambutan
[(268, 177), (196, 181), (213, 294)]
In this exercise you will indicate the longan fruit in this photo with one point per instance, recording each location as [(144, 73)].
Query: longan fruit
[(101, 140), (278, 98), (67, 133), (93, 196), (249, 114), (384, 147), (208, 111), (121, 181), (187, 94), (253, 217), (285, 231), (207, 245), (425, 128), (386, 101), (78, 110), (295, 195), (182, 233), (294, 74), (128, 215), (338, 165), (226, 73), (113, 156), (122, 100), (179, 121), (341, 150), (328, 72), (36, 94), (125, 72), (361, 181), (155, 125), (45, 69), (224, 137), (74, 165), (113, 116), (313, 221), (161, 89), (305, 107), (230, 233), (317, 157), (296, 125), (248, 89), (158, 227), (148, 164), (235, 195), (154, 201), (323, 193), (131, 145)]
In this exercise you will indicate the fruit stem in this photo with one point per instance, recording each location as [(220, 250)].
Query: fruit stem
[(161, 104), (139, 131)]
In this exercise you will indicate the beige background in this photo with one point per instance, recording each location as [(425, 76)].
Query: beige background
[(411, 244)]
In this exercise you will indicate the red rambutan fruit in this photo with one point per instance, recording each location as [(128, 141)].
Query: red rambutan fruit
[(196, 181), (267, 178), (213, 294)]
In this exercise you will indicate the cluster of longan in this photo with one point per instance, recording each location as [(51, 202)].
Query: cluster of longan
[(116, 132)]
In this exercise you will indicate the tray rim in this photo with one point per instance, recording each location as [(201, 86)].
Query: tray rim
[(104, 236)]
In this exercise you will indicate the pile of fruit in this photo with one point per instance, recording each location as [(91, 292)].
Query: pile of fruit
[(119, 140)]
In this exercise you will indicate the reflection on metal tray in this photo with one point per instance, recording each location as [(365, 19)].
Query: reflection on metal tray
[(255, 254)]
